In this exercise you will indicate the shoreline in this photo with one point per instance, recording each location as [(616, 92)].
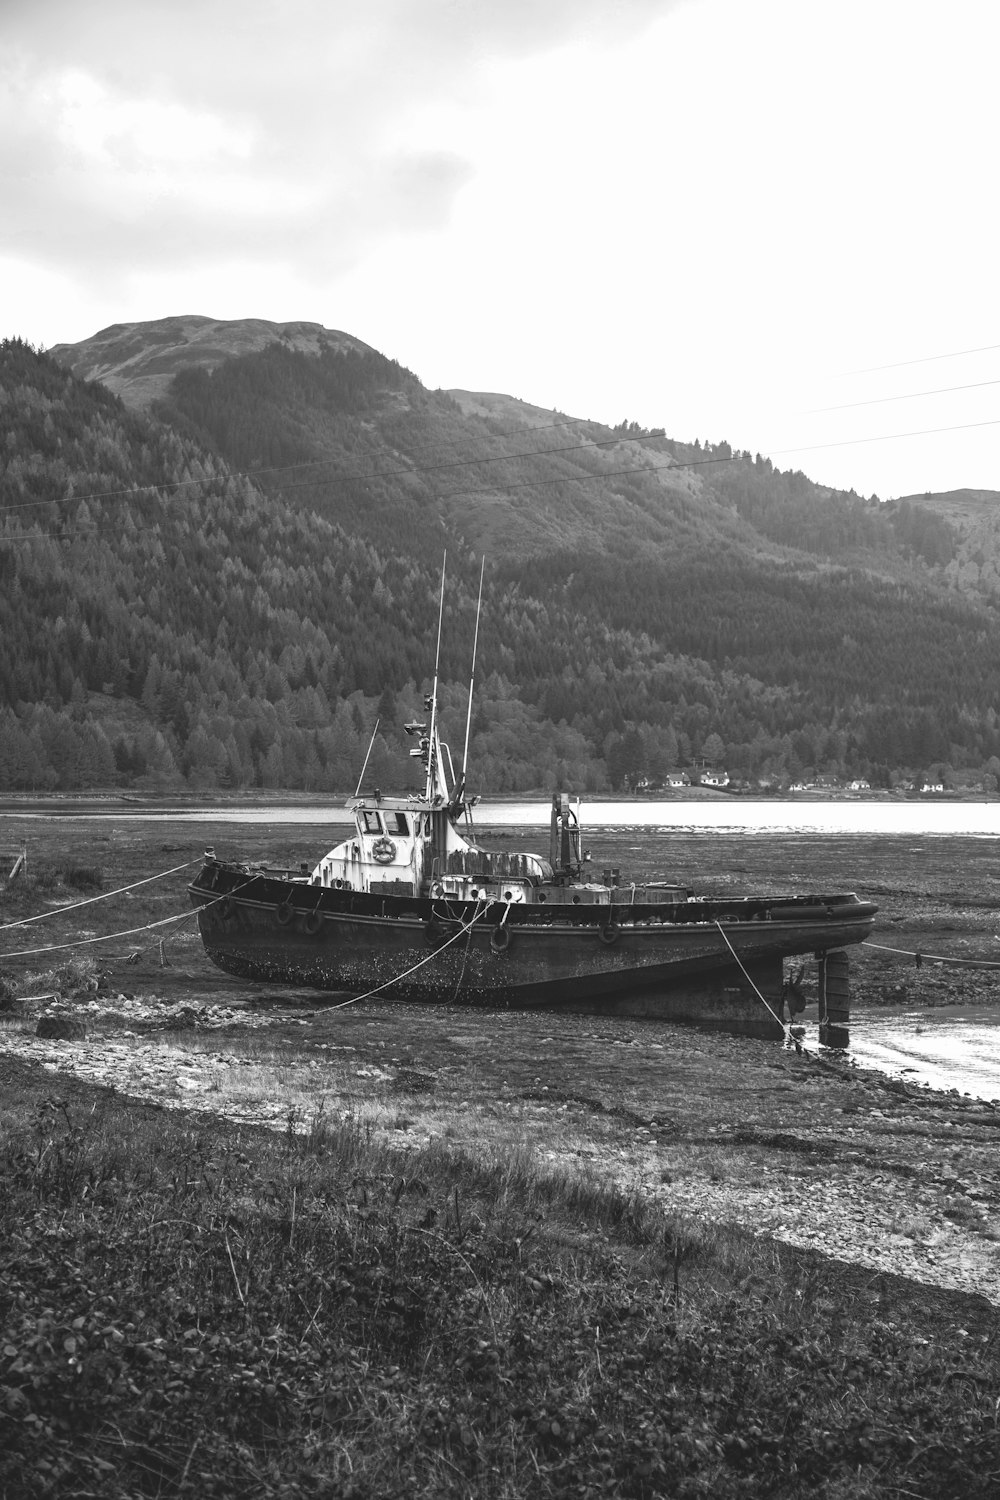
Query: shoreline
[(632, 1105), (813, 1153)]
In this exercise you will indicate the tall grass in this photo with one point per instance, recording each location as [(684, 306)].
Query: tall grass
[(208, 1311)]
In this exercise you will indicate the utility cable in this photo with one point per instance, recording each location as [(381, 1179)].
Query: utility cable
[(887, 437), (95, 529), (926, 359), (674, 466), (406, 473), (536, 453), (941, 390)]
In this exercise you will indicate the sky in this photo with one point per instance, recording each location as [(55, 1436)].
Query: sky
[(773, 222)]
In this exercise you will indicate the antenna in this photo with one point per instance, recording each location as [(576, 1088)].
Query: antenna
[(472, 679), (371, 746), (431, 766)]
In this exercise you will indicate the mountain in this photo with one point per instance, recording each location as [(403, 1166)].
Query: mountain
[(139, 360), (973, 517), (247, 559)]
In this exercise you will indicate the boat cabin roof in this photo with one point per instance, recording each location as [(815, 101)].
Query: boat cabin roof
[(414, 803)]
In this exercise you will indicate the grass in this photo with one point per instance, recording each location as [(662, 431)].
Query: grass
[(192, 1308)]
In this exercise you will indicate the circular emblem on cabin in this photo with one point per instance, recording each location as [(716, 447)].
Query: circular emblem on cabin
[(384, 851)]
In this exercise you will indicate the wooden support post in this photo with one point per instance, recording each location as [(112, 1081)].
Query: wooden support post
[(18, 858), (834, 998)]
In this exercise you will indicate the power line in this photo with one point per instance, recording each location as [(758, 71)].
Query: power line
[(172, 486), (462, 463), (96, 529), (927, 359), (888, 437), (450, 466), (942, 390), (533, 484)]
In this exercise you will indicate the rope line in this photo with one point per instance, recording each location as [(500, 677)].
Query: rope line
[(59, 911), (108, 938), (128, 932), (468, 943), (467, 927), (935, 958), (785, 1025)]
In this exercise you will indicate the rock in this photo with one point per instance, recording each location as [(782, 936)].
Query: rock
[(185, 1018), (57, 1026), (413, 1081)]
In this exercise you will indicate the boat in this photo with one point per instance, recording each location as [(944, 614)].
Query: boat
[(411, 907)]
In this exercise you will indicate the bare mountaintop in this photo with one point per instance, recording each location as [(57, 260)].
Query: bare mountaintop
[(493, 404), (961, 505), (138, 360), (974, 516)]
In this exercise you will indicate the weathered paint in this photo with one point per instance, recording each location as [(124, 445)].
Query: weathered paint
[(670, 961)]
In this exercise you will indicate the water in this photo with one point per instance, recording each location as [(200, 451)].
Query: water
[(959, 1050), (720, 815), (743, 815)]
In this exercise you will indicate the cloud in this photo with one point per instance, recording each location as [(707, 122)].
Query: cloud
[(155, 134)]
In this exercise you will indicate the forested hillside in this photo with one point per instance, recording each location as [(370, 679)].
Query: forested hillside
[(229, 589)]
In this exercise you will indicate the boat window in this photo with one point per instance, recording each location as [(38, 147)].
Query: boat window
[(370, 822), (402, 824)]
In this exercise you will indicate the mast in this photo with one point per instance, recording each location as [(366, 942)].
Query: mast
[(371, 744), (434, 767), (459, 792)]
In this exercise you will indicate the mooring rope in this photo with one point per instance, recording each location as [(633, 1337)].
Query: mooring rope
[(110, 937), (785, 1025), (935, 958), (468, 926), (468, 943), (59, 911)]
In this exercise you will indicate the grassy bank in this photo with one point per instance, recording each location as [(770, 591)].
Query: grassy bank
[(192, 1308)]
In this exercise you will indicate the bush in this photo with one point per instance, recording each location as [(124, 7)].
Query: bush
[(75, 974), (83, 877)]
